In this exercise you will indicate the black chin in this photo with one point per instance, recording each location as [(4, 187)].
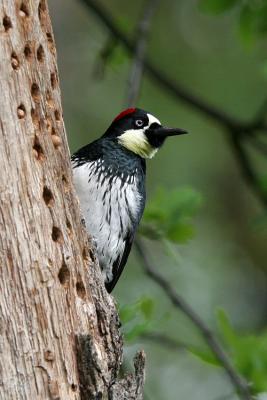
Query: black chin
[(153, 139)]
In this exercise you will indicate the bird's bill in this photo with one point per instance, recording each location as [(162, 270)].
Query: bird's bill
[(165, 132)]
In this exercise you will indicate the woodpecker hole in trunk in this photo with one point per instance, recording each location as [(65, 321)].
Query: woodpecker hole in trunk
[(57, 235), (24, 10), (40, 53), (14, 61), (21, 111), (37, 150), (64, 275), (27, 52), (48, 196), (35, 92), (7, 23)]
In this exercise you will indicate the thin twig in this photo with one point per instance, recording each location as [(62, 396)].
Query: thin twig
[(142, 34), (238, 382)]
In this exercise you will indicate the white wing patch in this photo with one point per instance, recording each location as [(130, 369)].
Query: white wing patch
[(108, 210)]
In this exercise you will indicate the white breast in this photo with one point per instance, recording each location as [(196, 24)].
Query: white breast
[(109, 210)]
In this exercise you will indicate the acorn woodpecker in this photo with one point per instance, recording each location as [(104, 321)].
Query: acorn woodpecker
[(109, 176)]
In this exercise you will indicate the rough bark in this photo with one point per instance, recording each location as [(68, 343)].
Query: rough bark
[(59, 336)]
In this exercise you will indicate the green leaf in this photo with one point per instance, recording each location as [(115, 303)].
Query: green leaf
[(118, 57), (248, 353), (147, 307), (217, 6), (127, 313), (181, 234), (137, 331), (253, 21), (205, 355), (225, 327), (169, 215), (137, 317)]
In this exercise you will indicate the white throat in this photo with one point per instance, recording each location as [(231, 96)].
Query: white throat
[(136, 141)]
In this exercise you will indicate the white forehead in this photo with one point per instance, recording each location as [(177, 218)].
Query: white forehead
[(152, 119)]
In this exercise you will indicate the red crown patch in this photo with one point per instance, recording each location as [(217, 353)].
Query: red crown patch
[(123, 113)]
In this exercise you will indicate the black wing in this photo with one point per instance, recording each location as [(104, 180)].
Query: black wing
[(120, 262), (91, 152)]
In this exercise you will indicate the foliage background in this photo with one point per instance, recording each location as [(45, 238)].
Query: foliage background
[(221, 58)]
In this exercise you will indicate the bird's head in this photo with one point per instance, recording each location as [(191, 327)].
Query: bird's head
[(140, 132)]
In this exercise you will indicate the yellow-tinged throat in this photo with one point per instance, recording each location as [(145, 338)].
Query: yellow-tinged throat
[(136, 141)]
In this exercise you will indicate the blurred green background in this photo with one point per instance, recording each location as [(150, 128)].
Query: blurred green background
[(224, 265)]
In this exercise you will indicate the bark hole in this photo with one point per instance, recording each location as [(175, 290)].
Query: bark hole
[(21, 111), (49, 99), (14, 61), (35, 91), (57, 115), (40, 53), (27, 52), (80, 289), (37, 149), (24, 10), (64, 275), (64, 180), (42, 12), (50, 42), (41, 8), (74, 387), (48, 196), (57, 235), (53, 80), (92, 256), (7, 23)]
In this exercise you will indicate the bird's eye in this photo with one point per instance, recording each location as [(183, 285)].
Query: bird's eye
[(139, 123)]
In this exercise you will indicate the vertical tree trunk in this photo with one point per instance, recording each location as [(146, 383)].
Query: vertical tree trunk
[(59, 336)]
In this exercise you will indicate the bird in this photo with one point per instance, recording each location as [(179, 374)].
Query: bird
[(109, 177)]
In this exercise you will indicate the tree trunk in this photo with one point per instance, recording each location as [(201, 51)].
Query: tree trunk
[(59, 336)]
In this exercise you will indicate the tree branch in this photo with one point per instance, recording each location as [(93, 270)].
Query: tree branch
[(238, 382), (142, 34)]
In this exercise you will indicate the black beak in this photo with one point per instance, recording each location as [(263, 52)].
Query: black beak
[(165, 132)]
